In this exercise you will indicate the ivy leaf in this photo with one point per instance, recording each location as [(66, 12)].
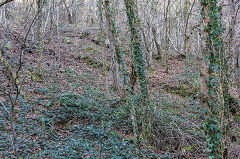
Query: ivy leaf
[(211, 157), (210, 145)]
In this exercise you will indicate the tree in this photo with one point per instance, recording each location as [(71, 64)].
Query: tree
[(140, 64), (116, 50), (215, 95), (113, 46), (133, 22), (167, 33)]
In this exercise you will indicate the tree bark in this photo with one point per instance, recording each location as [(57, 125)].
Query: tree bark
[(156, 43), (113, 47), (167, 31), (186, 37), (140, 66)]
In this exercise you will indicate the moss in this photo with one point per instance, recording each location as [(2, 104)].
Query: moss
[(91, 50), (237, 118), (67, 41), (92, 62), (84, 35), (171, 58), (233, 105), (183, 90), (37, 76), (157, 57)]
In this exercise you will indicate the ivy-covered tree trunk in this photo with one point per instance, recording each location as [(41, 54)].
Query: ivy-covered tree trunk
[(140, 67), (137, 44), (214, 89)]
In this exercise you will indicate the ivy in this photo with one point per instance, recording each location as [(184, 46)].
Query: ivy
[(217, 84), (139, 60)]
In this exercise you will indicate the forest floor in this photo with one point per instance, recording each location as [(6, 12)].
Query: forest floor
[(67, 109)]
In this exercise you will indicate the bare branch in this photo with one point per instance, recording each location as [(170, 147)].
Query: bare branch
[(5, 108), (5, 2)]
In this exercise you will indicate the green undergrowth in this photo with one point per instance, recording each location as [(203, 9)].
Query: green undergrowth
[(91, 61), (90, 125), (96, 125), (183, 90)]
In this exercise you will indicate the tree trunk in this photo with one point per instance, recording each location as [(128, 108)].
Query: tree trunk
[(186, 37), (156, 43), (237, 69), (137, 45), (215, 95), (39, 24), (167, 31), (146, 46), (112, 39), (140, 64), (233, 48)]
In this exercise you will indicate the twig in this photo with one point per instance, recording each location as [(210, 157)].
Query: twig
[(28, 31), (5, 2), (5, 108), (27, 136), (179, 52)]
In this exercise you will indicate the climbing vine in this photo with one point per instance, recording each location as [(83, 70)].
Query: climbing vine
[(139, 67), (138, 58), (215, 126)]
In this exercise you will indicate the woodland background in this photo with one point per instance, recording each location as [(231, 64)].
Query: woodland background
[(119, 79)]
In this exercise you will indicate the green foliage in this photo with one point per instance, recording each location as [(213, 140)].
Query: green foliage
[(57, 132), (185, 90), (91, 50), (237, 118), (69, 72), (218, 66)]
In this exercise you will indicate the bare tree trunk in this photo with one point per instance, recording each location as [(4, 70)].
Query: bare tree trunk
[(112, 39), (156, 43), (39, 26), (68, 12), (237, 69), (146, 45), (186, 37), (167, 28), (100, 15), (233, 50), (39, 36), (48, 16)]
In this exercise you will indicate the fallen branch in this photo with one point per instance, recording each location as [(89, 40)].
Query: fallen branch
[(5, 2)]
